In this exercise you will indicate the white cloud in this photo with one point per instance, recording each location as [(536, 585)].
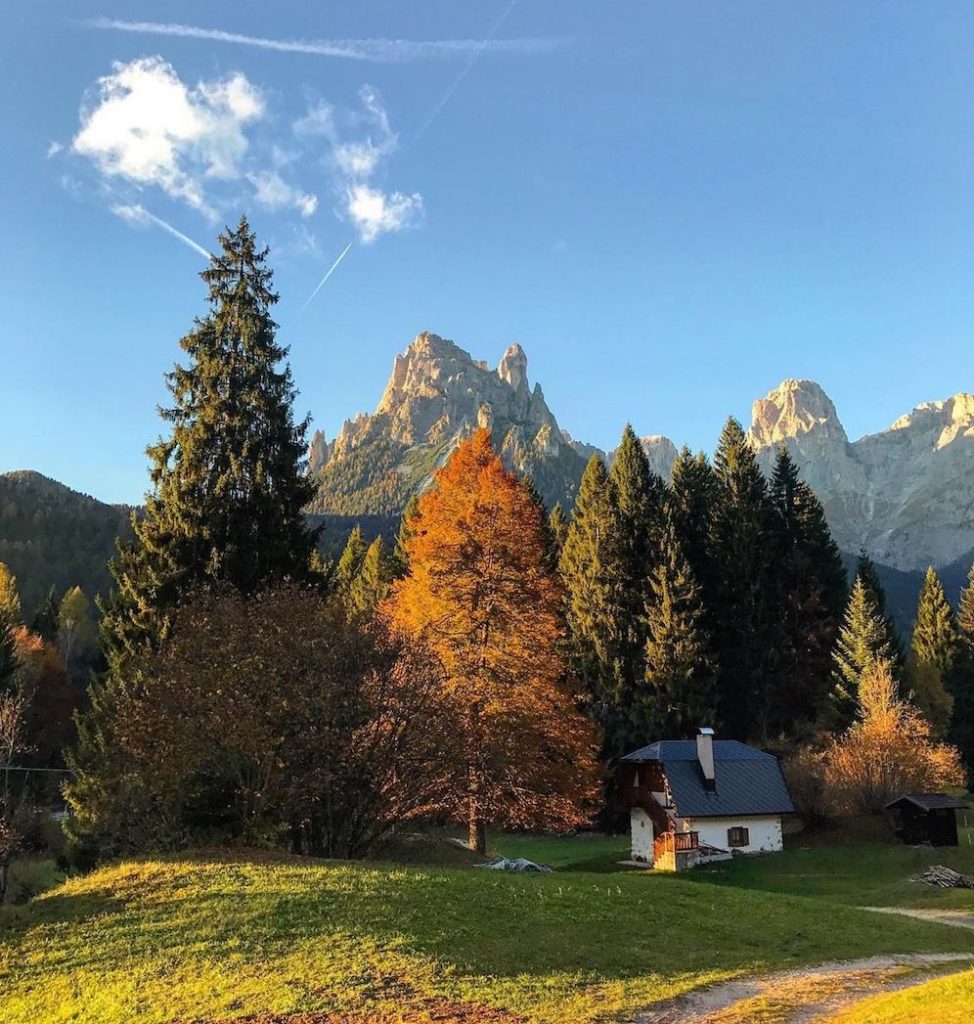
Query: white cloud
[(379, 50), (375, 212), (272, 191), (359, 141), (143, 124), (53, 149)]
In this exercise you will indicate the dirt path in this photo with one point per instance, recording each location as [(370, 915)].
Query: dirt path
[(956, 918), (804, 995)]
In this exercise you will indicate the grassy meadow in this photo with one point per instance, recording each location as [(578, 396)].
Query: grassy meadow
[(219, 938)]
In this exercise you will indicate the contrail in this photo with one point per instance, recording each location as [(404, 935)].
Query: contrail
[(384, 51), (136, 214), (328, 274), (487, 42)]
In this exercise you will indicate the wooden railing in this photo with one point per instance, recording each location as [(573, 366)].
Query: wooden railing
[(675, 842)]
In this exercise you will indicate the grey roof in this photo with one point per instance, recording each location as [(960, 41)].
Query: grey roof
[(748, 781), (930, 801)]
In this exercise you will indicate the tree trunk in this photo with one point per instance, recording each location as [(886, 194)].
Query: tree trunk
[(476, 827)]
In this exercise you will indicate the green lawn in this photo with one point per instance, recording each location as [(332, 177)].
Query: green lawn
[(583, 852), (857, 875), (944, 1001), (161, 940)]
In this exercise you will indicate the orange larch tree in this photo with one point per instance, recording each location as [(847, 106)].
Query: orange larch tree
[(481, 597)]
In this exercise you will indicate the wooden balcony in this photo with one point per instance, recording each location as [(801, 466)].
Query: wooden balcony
[(674, 842)]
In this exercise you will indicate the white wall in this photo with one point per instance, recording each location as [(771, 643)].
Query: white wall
[(641, 826), (764, 832)]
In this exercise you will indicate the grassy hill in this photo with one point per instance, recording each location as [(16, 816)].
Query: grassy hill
[(220, 938)]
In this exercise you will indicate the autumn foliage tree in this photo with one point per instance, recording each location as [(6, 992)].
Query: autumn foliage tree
[(480, 596)]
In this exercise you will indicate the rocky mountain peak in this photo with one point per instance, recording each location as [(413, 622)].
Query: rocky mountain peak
[(513, 367), (793, 408)]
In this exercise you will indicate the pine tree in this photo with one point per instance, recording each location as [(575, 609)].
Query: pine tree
[(961, 679), (350, 563), (862, 642), (933, 650), (407, 526), (741, 538), (638, 511), (809, 599), (10, 610), (866, 571), (588, 570), (10, 617), (680, 692), (558, 525), (371, 583), (691, 502), (228, 495), (226, 507), (45, 620)]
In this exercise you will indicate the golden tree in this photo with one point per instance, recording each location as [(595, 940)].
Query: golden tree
[(481, 597), (889, 751)]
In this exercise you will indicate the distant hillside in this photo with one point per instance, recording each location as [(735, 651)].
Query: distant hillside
[(53, 536)]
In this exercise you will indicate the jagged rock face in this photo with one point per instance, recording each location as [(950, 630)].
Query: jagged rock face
[(661, 452), (437, 395), (318, 453), (906, 494)]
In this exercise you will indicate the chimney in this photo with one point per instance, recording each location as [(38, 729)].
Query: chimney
[(705, 755)]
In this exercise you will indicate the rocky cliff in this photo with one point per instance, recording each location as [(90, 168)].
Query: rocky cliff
[(437, 394), (906, 494)]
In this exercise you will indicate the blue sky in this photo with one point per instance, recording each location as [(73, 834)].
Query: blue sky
[(672, 206)]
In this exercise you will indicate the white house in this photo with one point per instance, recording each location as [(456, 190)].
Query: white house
[(694, 801)]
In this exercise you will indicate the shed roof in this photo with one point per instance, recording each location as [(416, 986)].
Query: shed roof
[(748, 781), (930, 801)]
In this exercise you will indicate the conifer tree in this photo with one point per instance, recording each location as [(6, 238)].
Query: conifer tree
[(228, 496), (10, 610), (638, 511), (558, 525), (809, 599), (371, 583), (588, 569), (933, 651), (226, 507), (407, 526), (680, 692), (10, 616), (691, 501), (741, 538), (961, 679), (861, 644), (866, 570), (47, 616), (350, 563)]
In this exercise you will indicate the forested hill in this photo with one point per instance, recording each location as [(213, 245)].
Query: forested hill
[(51, 536)]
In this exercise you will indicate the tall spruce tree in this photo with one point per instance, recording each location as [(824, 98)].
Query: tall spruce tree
[(866, 571), (373, 580), (228, 497), (226, 507), (810, 595), (691, 502), (961, 679), (741, 542), (638, 513), (558, 525), (10, 616), (589, 571), (933, 651), (407, 526), (350, 562), (680, 692), (861, 643)]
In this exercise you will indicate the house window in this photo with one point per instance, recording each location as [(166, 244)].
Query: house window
[(738, 836)]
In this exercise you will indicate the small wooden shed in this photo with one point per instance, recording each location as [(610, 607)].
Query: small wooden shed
[(925, 818)]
